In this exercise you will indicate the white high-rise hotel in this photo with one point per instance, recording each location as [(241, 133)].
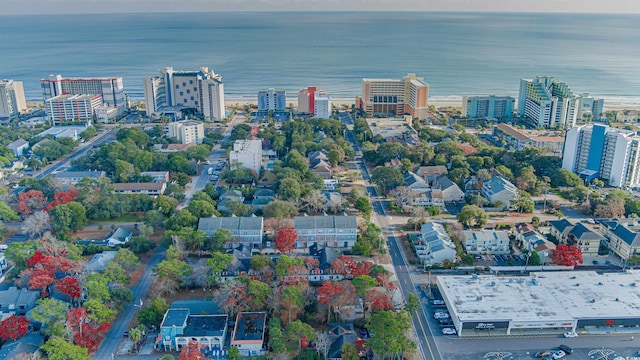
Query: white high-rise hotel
[(321, 105), (12, 101), (547, 102), (598, 151), (202, 90)]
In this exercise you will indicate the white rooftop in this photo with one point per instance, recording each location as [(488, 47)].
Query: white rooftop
[(559, 296)]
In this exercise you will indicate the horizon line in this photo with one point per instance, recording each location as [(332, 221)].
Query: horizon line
[(330, 11)]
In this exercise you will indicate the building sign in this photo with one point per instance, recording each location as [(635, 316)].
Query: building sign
[(485, 325), (540, 324), (609, 322)]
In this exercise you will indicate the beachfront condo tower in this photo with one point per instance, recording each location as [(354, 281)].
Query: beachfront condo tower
[(321, 105), (306, 98), (201, 90), (272, 100), (406, 96), (599, 151), (110, 89), (12, 100), (547, 103), (496, 107)]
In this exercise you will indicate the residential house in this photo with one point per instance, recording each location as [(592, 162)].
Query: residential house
[(559, 228), (472, 186), (157, 176), (249, 333), (181, 326), (434, 245), (18, 147), (415, 182), (486, 242), (261, 198), (245, 230), (325, 255), (17, 302), (450, 191), (430, 173), (624, 237), (118, 236), (71, 178), (534, 241), (340, 334), (317, 155), (330, 184), (23, 347), (225, 197), (322, 169), (100, 261), (335, 231), (149, 188), (586, 240), (499, 189)]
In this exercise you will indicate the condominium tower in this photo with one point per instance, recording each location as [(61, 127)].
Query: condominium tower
[(67, 108), (589, 108), (547, 103), (306, 99), (12, 100), (187, 131), (202, 90), (598, 151), (247, 154), (321, 105), (408, 95), (272, 100), (110, 89), (498, 107)]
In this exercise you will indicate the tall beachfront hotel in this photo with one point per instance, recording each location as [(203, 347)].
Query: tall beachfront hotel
[(408, 95), (599, 151), (110, 89), (201, 90), (547, 103), (272, 99), (12, 100)]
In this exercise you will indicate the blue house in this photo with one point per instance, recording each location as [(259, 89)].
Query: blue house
[(180, 326)]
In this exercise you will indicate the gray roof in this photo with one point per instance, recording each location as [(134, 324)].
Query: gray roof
[(264, 193), (560, 225), (205, 325), (340, 334), (250, 326), (446, 183), (27, 344), (175, 317), (13, 296), (99, 261), (627, 235), (498, 184), (212, 224), (119, 234), (325, 222), (411, 178), (231, 194), (581, 232), (18, 143)]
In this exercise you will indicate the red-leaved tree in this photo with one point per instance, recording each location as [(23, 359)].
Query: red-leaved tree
[(69, 286), (286, 240), (62, 197), (41, 270), (84, 331), (566, 255), (363, 268), (192, 352), (344, 265), (327, 294), (379, 300), (13, 327), (31, 201)]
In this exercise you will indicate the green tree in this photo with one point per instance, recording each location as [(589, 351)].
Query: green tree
[(413, 303), (51, 313), (296, 330), (154, 218), (233, 353), (174, 270), (349, 352), (165, 205), (238, 208), (363, 205), (68, 217), (259, 262), (99, 312), (125, 171), (534, 259), (220, 238), (363, 283), (201, 208), (472, 215), (279, 209), (335, 156), (59, 349), (387, 178), (388, 333), (218, 263), (153, 314), (7, 213), (290, 189), (276, 338), (523, 202)]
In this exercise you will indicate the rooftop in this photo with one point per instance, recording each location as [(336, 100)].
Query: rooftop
[(205, 325), (210, 225), (325, 222), (175, 317), (250, 326), (559, 296)]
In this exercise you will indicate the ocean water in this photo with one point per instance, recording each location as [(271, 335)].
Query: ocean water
[(457, 53)]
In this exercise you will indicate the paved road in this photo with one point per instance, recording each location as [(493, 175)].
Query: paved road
[(110, 343)]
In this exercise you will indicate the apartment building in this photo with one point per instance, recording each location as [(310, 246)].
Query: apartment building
[(589, 108), (12, 100), (518, 139), (202, 90), (109, 89), (332, 231), (306, 100), (547, 103), (321, 105), (408, 95), (246, 153), (486, 242), (499, 189), (497, 107), (187, 131), (72, 108), (599, 151), (272, 99)]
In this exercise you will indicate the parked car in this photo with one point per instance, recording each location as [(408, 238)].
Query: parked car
[(570, 334), (441, 315), (558, 355), (566, 348), (541, 354), (437, 302), (448, 331)]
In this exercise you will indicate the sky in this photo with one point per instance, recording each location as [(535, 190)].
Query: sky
[(24, 7)]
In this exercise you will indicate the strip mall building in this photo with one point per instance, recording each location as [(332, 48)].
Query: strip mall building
[(545, 302)]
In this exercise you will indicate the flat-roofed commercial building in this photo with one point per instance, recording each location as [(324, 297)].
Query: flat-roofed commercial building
[(408, 95), (543, 302)]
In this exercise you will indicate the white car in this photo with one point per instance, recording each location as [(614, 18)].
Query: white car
[(448, 331), (558, 355), (570, 334)]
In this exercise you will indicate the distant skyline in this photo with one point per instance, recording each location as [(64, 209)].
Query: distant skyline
[(27, 7)]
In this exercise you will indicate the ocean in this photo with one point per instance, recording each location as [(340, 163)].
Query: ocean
[(456, 53)]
